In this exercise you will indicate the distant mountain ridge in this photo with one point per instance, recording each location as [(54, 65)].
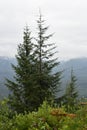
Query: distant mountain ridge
[(79, 66), (6, 71)]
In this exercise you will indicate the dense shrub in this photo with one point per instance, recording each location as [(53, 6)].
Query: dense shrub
[(46, 118)]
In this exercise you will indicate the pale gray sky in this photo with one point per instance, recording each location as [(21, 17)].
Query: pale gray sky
[(67, 18)]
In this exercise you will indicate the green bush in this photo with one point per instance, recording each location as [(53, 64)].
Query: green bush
[(41, 120), (46, 118)]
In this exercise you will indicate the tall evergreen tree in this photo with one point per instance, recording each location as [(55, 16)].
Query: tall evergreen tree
[(71, 94), (35, 79), (22, 93), (48, 81)]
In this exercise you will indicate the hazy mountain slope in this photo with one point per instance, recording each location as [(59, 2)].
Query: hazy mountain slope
[(79, 67), (6, 71)]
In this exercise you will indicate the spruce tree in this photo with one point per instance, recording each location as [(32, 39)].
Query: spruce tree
[(47, 80), (21, 97), (71, 94), (35, 79)]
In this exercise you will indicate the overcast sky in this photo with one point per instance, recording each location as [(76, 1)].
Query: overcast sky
[(67, 18)]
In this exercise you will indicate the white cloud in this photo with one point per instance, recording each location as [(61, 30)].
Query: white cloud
[(67, 18)]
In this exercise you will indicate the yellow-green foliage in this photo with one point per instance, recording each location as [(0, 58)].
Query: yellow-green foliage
[(41, 120), (46, 118)]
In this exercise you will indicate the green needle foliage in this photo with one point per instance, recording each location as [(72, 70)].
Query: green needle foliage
[(71, 94), (48, 82), (34, 80), (21, 88)]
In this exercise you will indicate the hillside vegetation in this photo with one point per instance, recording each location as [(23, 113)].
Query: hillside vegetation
[(47, 117)]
